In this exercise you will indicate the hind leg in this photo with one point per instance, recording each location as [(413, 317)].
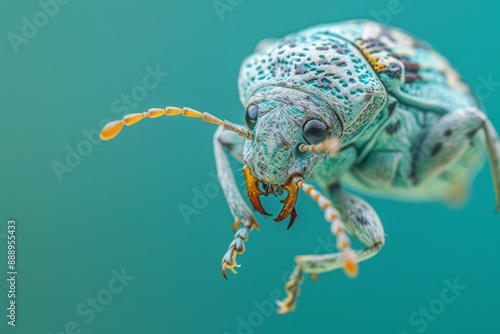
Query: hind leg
[(359, 220), (448, 139)]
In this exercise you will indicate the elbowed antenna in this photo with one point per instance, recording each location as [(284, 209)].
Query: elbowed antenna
[(112, 129)]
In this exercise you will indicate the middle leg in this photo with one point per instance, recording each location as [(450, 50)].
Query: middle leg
[(359, 219)]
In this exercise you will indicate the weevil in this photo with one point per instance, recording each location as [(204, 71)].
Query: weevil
[(355, 103)]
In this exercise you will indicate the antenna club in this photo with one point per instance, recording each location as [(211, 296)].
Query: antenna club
[(111, 130)]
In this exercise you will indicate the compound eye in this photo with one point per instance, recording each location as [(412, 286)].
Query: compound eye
[(314, 131), (394, 70), (251, 116)]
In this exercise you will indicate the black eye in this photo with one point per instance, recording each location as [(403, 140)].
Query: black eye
[(251, 116), (394, 70), (315, 131)]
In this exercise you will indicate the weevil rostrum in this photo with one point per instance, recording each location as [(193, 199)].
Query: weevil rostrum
[(354, 103)]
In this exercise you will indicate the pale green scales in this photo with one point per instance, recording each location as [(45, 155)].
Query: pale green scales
[(328, 62), (356, 103)]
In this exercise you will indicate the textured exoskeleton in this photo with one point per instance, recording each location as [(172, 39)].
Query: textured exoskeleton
[(355, 103)]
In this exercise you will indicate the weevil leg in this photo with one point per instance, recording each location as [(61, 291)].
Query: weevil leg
[(226, 141), (292, 289), (448, 139), (359, 220)]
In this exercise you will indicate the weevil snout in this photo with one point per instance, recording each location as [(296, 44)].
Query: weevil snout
[(269, 159)]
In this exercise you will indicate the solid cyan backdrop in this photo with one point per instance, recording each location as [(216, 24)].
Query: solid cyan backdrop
[(102, 246)]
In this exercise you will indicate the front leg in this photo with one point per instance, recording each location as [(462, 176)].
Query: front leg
[(358, 219), (244, 221)]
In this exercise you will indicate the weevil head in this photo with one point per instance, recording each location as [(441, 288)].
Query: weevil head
[(282, 119), (305, 88)]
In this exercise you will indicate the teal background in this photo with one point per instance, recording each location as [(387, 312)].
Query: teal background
[(119, 207)]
